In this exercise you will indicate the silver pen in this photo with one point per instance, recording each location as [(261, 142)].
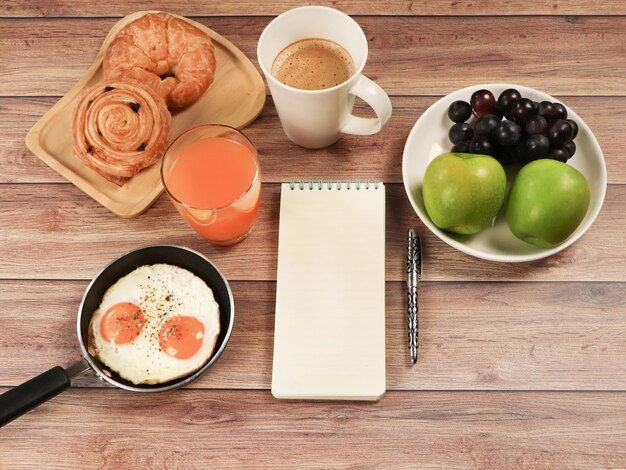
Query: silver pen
[(414, 273)]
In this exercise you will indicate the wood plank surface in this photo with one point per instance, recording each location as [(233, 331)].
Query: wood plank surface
[(202, 429), (407, 55), (52, 8), (521, 365), (474, 336), (54, 231), (353, 157)]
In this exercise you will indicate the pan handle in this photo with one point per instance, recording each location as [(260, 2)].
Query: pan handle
[(34, 392)]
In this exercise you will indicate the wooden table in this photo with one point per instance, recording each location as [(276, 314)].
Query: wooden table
[(521, 365)]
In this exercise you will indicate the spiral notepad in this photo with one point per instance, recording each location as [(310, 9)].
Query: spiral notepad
[(329, 340)]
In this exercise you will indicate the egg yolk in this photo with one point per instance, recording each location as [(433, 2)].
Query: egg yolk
[(122, 323), (181, 337)]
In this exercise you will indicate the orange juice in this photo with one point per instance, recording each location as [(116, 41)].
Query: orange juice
[(216, 186)]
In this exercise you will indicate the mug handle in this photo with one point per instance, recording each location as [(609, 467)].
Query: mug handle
[(377, 99)]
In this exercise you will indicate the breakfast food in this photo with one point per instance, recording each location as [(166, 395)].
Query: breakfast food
[(547, 202), (154, 325), (120, 127), (513, 129), (166, 53), (463, 192)]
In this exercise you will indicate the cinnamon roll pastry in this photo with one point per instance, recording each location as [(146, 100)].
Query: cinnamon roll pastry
[(119, 128), (167, 53)]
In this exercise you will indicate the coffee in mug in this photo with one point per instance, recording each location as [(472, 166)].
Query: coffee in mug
[(324, 51), (313, 64)]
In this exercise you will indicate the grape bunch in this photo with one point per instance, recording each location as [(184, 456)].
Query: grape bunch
[(512, 129)]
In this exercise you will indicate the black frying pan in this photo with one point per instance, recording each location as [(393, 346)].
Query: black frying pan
[(37, 390)]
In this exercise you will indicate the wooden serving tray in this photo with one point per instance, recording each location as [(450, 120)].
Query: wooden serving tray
[(235, 98)]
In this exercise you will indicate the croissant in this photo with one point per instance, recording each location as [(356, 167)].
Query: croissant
[(119, 128), (172, 56)]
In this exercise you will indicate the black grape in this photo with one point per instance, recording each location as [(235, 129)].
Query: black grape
[(460, 132), (485, 124), (561, 112), (559, 133), (574, 127), (531, 130), (507, 134), (461, 147), (536, 125), (570, 148), (482, 145), (547, 110), (459, 111), (558, 154), (537, 146), (506, 100), (522, 110)]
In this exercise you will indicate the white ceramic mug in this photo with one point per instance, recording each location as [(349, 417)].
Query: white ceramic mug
[(318, 118)]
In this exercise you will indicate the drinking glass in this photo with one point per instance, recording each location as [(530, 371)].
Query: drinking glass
[(211, 173)]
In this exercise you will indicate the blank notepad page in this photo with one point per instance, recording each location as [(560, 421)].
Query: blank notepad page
[(329, 338)]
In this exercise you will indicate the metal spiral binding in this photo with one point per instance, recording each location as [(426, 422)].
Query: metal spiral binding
[(338, 185)]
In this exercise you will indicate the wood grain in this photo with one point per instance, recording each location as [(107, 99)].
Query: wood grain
[(353, 157), (52, 8), (521, 366), (201, 429), (473, 336), (407, 55), (54, 231)]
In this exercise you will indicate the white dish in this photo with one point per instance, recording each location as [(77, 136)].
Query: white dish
[(429, 138)]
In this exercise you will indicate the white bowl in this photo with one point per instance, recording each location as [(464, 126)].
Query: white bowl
[(429, 138)]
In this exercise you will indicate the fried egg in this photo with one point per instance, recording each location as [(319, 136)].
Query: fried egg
[(156, 324)]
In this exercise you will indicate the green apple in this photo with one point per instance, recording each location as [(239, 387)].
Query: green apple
[(463, 192), (547, 201)]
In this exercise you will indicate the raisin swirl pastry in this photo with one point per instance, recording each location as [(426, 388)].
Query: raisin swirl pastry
[(119, 128), (165, 52)]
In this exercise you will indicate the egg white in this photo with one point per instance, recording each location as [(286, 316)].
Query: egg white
[(162, 291)]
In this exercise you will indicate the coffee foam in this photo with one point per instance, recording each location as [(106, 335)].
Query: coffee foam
[(313, 64)]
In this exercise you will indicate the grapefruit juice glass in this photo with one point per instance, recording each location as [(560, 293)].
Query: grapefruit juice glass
[(212, 176)]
